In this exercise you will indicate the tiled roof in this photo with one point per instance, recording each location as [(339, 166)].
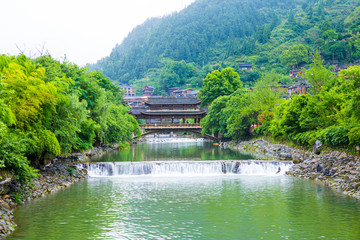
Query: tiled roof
[(173, 100), (245, 65)]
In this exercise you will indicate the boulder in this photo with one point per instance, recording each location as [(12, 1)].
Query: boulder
[(285, 156), (297, 159), (5, 205), (5, 197)]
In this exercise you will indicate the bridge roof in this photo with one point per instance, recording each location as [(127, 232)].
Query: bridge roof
[(172, 112), (173, 101)]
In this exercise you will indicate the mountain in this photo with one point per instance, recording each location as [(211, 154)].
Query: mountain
[(213, 34)]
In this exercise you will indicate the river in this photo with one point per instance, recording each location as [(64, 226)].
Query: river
[(189, 190)]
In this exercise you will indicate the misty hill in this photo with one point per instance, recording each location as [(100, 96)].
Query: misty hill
[(212, 34)]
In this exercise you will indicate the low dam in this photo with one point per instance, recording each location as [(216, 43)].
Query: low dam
[(188, 168)]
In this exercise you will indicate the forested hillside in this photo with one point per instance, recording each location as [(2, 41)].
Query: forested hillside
[(212, 34)]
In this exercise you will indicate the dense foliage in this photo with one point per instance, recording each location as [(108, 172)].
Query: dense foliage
[(219, 84), (213, 35), (50, 108), (329, 112)]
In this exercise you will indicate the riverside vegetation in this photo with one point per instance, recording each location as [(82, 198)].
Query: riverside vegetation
[(50, 108), (329, 112)]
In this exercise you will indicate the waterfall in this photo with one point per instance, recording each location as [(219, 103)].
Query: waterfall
[(187, 168)]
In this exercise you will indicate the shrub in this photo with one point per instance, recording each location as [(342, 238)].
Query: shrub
[(306, 138), (335, 135), (354, 136), (124, 145), (12, 155), (71, 170)]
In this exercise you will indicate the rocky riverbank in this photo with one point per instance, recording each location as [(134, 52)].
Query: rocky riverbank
[(59, 173), (85, 156), (50, 179), (338, 170)]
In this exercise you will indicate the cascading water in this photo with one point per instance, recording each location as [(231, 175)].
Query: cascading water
[(187, 168)]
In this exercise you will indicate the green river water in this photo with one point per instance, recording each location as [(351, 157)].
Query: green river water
[(189, 206)]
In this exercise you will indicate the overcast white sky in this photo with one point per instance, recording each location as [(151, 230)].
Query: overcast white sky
[(84, 30)]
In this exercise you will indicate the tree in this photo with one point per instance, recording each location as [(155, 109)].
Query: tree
[(218, 84), (330, 35), (325, 26), (335, 50), (349, 86), (241, 114), (48, 108), (295, 56), (318, 76), (216, 121)]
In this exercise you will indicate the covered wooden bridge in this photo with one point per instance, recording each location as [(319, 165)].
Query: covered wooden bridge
[(172, 114)]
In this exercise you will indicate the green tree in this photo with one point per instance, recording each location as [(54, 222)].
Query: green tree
[(49, 108), (216, 121), (330, 35), (318, 76), (218, 84), (12, 155), (241, 115), (295, 56)]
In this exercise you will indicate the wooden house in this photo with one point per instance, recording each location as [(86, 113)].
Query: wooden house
[(245, 66), (181, 93), (148, 91), (128, 90)]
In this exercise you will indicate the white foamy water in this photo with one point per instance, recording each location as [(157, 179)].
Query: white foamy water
[(187, 168)]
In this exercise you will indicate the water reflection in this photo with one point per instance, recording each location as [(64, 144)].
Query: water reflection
[(169, 151), (235, 207)]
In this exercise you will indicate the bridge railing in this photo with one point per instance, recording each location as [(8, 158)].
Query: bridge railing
[(171, 125)]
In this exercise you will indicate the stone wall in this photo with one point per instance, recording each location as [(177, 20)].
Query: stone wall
[(338, 170), (51, 179)]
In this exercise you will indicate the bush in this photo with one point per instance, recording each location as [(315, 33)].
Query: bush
[(71, 170), (124, 145), (335, 136), (354, 136), (306, 138), (12, 156)]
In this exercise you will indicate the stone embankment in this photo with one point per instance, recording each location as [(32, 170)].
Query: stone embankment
[(50, 179), (85, 156), (337, 170), (60, 173)]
